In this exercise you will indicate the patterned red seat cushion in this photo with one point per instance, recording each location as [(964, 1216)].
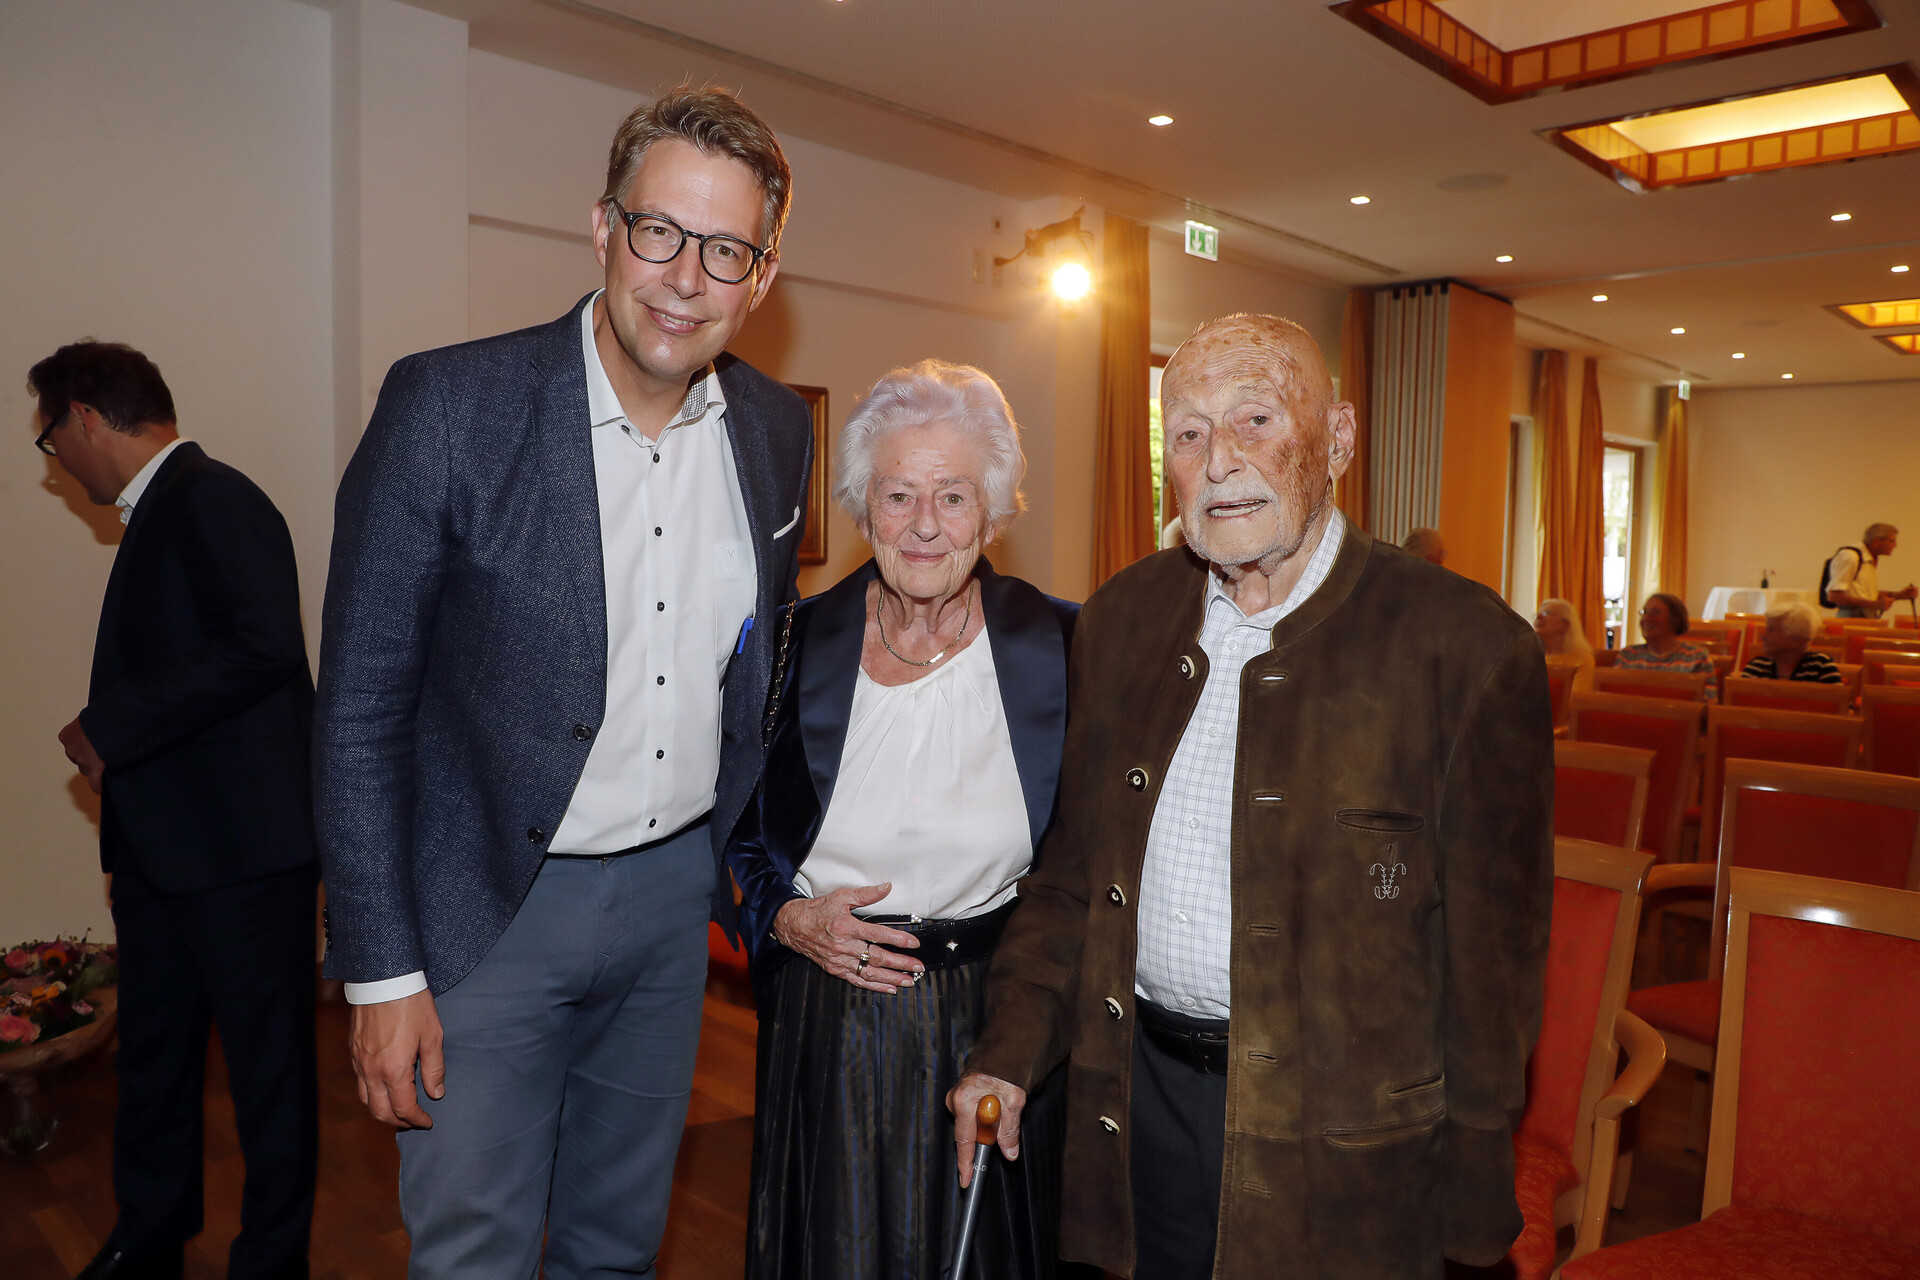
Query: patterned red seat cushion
[(1750, 1244), (1690, 1009), (1542, 1174)]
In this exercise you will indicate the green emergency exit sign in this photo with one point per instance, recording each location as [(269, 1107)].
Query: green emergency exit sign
[(1203, 241)]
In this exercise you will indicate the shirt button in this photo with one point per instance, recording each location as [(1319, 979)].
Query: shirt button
[(652, 823), (1213, 731), (581, 733), (659, 755), (656, 531), (1188, 1001), (656, 457), (659, 679), (1180, 917), (661, 607), (1194, 823)]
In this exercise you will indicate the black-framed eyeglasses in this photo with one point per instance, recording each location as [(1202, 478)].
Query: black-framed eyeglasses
[(654, 237), (43, 443)]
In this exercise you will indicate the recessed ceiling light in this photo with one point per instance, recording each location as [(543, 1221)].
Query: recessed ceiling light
[(1160, 120), (1900, 269), (1507, 257), (1739, 355), (1839, 217), (1599, 297), (1676, 329), (1787, 376), (1359, 199)]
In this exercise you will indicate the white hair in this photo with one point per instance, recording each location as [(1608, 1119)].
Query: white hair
[(918, 395), (1576, 641), (1795, 618)]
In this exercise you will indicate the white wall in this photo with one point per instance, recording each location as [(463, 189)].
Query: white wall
[(164, 181), (1782, 476), (1189, 291)]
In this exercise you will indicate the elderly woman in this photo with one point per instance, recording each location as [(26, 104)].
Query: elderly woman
[(1558, 626), (1663, 620), (1784, 653), (916, 730)]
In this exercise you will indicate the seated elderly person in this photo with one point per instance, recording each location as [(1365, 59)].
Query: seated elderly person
[(1663, 620), (1558, 626), (916, 730), (1785, 655)]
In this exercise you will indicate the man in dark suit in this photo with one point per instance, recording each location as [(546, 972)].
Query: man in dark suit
[(548, 637), (195, 736)]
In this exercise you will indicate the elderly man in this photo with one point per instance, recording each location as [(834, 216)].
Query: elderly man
[(1851, 581), (1291, 922)]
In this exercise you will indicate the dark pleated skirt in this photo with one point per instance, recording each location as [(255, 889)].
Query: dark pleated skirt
[(853, 1156)]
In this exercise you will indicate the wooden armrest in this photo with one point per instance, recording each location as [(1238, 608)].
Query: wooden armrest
[(1646, 1058), (1668, 876)]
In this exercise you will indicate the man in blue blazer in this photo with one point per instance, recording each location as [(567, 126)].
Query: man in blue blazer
[(195, 736), (544, 661)]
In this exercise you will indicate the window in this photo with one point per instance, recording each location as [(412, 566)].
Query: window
[(1620, 504), (1162, 501)]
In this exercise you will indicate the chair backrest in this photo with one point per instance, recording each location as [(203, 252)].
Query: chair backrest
[(1600, 792), (1755, 733), (1561, 670), (1890, 730), (1852, 675), (1603, 658), (1860, 639), (1788, 695), (1651, 684), (1813, 1110), (1835, 649), (1876, 661), (1899, 675), (1596, 915), (1842, 824), (1668, 728)]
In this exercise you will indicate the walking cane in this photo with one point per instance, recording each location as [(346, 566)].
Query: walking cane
[(987, 1119)]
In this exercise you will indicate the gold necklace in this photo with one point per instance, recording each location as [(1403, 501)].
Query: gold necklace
[(880, 621)]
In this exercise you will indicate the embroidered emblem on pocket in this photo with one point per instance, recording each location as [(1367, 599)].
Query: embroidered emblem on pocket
[(1389, 876)]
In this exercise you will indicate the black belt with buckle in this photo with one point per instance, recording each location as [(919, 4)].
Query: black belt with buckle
[(1200, 1043), (948, 944)]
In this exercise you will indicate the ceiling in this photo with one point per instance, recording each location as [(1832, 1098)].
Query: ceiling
[(1282, 111)]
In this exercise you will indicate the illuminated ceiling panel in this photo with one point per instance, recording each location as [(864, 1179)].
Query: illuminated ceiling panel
[(1501, 50), (1852, 118), (1894, 313), (1907, 344)]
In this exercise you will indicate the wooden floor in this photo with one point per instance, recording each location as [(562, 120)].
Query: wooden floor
[(56, 1207)]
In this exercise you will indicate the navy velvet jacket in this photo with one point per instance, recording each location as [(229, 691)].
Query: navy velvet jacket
[(1030, 633)]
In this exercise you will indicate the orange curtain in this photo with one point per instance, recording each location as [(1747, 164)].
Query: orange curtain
[(1670, 570), (1588, 524), (1123, 469), (1356, 387), (1556, 476)]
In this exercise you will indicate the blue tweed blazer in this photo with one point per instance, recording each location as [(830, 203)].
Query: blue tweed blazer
[(464, 641)]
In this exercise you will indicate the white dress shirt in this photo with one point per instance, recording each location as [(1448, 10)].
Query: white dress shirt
[(1854, 576), (1186, 883), (137, 486), (928, 796), (680, 573)]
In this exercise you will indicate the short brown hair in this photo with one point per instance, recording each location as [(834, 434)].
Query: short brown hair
[(1677, 617), (120, 383), (715, 121)]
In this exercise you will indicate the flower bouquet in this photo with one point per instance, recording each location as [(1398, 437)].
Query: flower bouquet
[(56, 1003)]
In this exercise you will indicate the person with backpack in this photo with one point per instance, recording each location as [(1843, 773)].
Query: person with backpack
[(1851, 581)]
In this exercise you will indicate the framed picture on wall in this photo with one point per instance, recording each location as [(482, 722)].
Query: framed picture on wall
[(813, 548)]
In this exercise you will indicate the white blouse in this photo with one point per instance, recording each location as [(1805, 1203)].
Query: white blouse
[(928, 796)]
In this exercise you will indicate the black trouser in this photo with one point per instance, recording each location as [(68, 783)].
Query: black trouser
[(1178, 1143), (239, 957)]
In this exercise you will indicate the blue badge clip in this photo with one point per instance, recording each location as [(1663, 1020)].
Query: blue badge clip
[(745, 627)]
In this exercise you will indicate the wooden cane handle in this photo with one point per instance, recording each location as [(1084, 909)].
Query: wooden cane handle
[(987, 1117)]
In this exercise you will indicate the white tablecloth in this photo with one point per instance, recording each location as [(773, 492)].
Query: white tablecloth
[(1722, 601)]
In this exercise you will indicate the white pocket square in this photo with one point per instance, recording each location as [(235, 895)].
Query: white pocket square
[(787, 528)]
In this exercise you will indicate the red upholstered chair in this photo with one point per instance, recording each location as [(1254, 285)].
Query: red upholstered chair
[(1600, 792), (1561, 670), (1755, 733), (1844, 824), (1897, 675), (1668, 728), (1860, 639), (723, 956), (1651, 684), (1787, 695), (1603, 658), (1813, 1170), (1891, 730), (1877, 660), (1710, 635), (1565, 1146)]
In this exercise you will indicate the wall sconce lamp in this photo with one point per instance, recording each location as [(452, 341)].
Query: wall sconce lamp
[(1071, 278)]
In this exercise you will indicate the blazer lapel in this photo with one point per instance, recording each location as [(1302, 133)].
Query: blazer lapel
[(1030, 663), (829, 667), (759, 487), (113, 601), (572, 506)]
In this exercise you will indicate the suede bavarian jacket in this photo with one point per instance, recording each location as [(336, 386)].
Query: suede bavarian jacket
[(1379, 1040)]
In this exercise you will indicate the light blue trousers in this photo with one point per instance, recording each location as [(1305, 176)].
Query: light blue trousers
[(570, 1053)]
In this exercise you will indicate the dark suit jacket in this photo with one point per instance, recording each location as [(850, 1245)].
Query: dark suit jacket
[(200, 700), (463, 660), (1392, 868), (1030, 634)]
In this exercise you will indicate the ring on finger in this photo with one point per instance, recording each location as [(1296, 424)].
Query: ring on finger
[(864, 957)]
